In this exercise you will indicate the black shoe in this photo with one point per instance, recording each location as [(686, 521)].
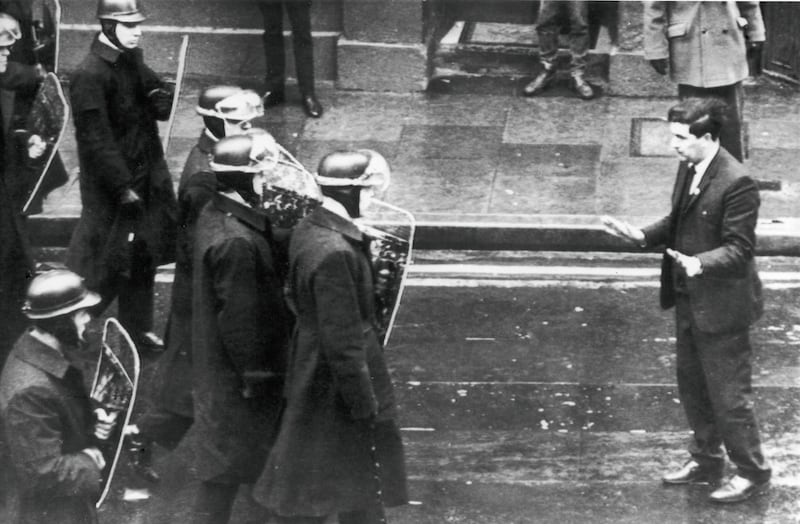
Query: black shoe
[(542, 80), (273, 98), (581, 87), (149, 341), (141, 459), (311, 106), (738, 489), (692, 473)]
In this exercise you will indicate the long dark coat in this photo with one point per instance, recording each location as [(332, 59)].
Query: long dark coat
[(240, 329), (321, 462), (47, 421), (118, 149), (173, 381)]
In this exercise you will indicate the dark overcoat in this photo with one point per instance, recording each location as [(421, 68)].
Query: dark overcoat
[(47, 421), (118, 149), (718, 227), (173, 381), (240, 329), (337, 381)]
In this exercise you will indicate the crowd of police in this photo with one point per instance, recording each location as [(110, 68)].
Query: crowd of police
[(272, 373)]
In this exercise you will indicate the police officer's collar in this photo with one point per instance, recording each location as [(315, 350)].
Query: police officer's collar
[(326, 217), (233, 204), (41, 353), (103, 48)]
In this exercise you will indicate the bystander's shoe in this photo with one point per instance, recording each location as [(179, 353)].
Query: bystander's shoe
[(738, 489), (311, 106), (542, 80), (581, 87), (693, 473), (273, 98)]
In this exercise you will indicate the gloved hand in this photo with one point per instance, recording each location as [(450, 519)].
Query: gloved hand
[(104, 424), (97, 456), (36, 147), (162, 100), (660, 65)]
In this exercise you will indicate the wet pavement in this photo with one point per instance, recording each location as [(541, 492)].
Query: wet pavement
[(500, 157), (543, 400)]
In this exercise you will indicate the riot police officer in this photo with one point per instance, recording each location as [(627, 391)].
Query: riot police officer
[(240, 328), (128, 220), (51, 432), (226, 111)]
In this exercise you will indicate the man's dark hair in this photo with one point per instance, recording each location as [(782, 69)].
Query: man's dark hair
[(703, 115)]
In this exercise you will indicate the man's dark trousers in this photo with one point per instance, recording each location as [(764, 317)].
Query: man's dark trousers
[(299, 14), (714, 384)]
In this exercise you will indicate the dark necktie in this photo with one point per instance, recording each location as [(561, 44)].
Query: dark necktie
[(685, 196)]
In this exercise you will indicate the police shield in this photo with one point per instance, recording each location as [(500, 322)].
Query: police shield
[(47, 121), (113, 392), (391, 231), (290, 191)]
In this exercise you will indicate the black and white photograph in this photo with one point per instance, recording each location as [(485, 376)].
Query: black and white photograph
[(399, 262)]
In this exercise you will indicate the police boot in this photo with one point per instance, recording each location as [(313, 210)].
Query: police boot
[(140, 452), (542, 80), (580, 86)]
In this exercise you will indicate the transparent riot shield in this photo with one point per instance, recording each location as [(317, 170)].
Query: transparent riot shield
[(391, 230), (290, 192), (113, 391)]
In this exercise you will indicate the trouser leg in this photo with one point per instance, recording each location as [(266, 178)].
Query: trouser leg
[(374, 515), (731, 136), (579, 34), (299, 13), (163, 427), (547, 29), (726, 360), (272, 38), (706, 445), (135, 299)]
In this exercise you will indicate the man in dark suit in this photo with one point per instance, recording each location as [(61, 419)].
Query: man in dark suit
[(709, 275)]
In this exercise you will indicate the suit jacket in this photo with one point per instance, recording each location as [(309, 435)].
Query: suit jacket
[(717, 226), (704, 41)]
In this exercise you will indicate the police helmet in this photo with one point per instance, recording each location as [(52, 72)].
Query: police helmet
[(360, 168), (230, 103), (125, 11), (9, 30), (253, 152), (55, 293)]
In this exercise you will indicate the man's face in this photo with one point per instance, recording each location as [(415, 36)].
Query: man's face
[(128, 34), (4, 52), (689, 147)]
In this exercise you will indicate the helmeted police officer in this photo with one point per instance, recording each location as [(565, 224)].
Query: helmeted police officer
[(240, 328), (226, 111), (340, 414), (128, 220), (51, 433)]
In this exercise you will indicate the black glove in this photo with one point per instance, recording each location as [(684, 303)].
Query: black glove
[(754, 51), (162, 100), (660, 65)]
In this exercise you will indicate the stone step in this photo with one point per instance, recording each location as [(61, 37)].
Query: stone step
[(230, 14)]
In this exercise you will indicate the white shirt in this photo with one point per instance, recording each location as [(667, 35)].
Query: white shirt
[(700, 169)]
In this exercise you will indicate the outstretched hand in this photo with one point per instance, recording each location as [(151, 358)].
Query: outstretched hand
[(620, 228), (691, 265)]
